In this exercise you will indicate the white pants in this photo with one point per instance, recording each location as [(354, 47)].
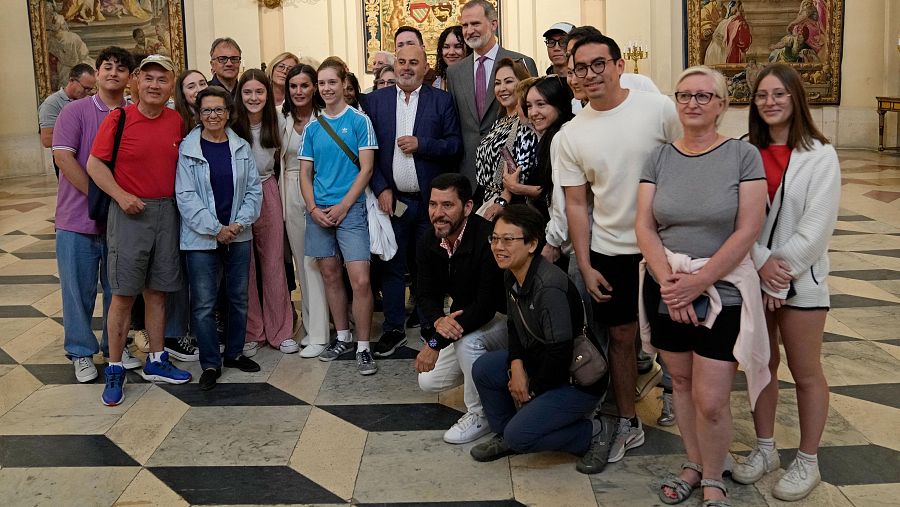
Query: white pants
[(454, 363), (312, 287)]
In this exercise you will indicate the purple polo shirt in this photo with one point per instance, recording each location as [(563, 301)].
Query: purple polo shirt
[(75, 130)]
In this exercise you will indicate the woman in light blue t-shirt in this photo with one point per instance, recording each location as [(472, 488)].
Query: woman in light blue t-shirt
[(332, 181)]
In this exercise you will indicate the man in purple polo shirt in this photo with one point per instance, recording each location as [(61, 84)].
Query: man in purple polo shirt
[(80, 242)]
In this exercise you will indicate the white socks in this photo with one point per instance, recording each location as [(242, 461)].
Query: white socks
[(766, 444), (362, 346), (119, 364), (809, 459), (155, 357), (344, 336)]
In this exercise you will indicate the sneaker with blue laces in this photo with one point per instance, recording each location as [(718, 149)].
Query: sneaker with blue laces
[(114, 391), (164, 371)]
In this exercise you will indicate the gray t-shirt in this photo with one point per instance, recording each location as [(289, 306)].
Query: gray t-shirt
[(696, 200), (50, 108)]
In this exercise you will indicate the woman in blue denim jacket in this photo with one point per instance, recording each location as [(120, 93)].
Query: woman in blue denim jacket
[(219, 197)]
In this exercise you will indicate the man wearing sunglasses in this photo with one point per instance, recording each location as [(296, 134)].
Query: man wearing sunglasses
[(555, 40), (225, 62)]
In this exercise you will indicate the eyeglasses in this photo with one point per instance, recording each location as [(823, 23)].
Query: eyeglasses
[(779, 96), (217, 111), (87, 89), (702, 98), (555, 42), (597, 67), (225, 59), (383, 82), (283, 67), (503, 240)]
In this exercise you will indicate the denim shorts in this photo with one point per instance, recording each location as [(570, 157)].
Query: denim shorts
[(350, 237)]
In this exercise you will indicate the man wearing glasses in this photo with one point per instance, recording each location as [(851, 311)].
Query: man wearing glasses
[(555, 40), (604, 148), (455, 261), (225, 61), (81, 84)]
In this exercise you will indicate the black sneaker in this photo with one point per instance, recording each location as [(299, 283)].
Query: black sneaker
[(208, 378), (389, 342), (242, 363), (182, 348), (493, 449), (594, 461), (413, 320)]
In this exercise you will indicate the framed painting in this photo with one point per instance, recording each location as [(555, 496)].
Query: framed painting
[(381, 18), (65, 33), (740, 37)]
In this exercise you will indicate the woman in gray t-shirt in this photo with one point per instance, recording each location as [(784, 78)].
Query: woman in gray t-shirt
[(702, 196)]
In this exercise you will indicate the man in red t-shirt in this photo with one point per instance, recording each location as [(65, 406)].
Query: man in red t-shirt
[(142, 228)]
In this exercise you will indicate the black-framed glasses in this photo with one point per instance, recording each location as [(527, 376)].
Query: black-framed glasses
[(555, 42), (503, 240), (597, 67), (779, 96), (225, 59), (702, 98), (212, 111)]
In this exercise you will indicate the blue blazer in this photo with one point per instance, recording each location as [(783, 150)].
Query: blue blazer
[(436, 128)]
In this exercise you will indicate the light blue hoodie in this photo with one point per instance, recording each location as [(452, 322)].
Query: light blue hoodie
[(194, 194)]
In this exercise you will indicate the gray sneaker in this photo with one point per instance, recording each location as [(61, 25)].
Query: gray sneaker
[(627, 437), (85, 371), (493, 449), (129, 361), (336, 350), (365, 364), (594, 461), (667, 415)]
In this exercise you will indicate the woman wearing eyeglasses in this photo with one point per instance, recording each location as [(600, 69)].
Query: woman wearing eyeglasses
[(219, 197), (701, 205), (385, 77), (545, 314), (277, 73), (804, 183)]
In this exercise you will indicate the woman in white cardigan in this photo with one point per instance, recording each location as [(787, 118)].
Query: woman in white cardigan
[(791, 257), (299, 109)]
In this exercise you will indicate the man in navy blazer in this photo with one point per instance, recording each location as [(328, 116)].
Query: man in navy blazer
[(418, 137)]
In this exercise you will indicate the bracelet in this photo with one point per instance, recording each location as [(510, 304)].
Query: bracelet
[(314, 208), (501, 201)]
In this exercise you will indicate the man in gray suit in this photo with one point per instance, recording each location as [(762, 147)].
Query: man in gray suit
[(476, 105)]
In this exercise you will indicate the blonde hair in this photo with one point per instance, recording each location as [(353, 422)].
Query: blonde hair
[(720, 85), (278, 59)]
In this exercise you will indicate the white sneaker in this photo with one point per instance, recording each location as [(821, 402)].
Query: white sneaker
[(250, 349), (753, 467), (85, 371), (627, 437), (129, 361), (289, 346), (799, 480), (470, 427), (312, 350)]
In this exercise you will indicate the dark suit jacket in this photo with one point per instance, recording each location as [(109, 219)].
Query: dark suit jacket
[(461, 84), (436, 128)]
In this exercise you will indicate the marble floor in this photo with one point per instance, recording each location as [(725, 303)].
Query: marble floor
[(307, 432)]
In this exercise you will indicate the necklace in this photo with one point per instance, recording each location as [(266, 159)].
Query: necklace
[(704, 150)]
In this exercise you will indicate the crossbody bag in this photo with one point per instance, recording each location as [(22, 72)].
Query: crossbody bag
[(98, 200)]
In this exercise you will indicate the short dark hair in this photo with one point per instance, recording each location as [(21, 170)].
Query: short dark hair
[(214, 91), (597, 38), (580, 32), (135, 32), (455, 181), (525, 217), (223, 40), (78, 70), (407, 28), (490, 11), (117, 55)]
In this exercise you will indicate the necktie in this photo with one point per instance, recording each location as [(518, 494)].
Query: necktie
[(480, 86)]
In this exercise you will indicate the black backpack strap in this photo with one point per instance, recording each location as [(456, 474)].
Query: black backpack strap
[(340, 142), (120, 127)]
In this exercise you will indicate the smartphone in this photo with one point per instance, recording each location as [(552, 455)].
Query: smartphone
[(399, 208), (701, 307), (510, 161)]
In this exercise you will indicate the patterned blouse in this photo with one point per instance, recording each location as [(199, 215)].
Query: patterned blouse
[(488, 167)]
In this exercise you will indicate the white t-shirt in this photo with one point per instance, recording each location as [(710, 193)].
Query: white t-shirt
[(637, 82), (607, 150)]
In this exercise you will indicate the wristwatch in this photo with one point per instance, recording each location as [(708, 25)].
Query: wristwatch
[(501, 201)]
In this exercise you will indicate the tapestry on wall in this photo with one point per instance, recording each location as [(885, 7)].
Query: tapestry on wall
[(381, 18), (65, 33), (740, 37)]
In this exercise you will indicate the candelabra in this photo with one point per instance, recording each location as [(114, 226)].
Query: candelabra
[(636, 51)]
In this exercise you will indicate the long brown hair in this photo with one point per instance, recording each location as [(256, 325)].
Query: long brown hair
[(269, 136), (802, 130), (187, 112)]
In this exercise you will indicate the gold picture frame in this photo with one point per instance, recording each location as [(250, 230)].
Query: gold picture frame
[(381, 18), (740, 37), (68, 32)]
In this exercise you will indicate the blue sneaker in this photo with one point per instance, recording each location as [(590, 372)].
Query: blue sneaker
[(114, 392), (164, 371)]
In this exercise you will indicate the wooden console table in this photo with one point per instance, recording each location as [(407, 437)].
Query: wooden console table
[(885, 105)]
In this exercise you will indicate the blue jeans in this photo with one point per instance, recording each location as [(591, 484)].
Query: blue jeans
[(231, 265), (178, 308), (556, 420), (409, 227), (81, 259)]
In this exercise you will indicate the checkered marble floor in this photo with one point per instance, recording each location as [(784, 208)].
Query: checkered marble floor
[(306, 432)]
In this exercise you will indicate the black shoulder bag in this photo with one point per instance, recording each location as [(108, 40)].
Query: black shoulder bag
[(98, 200)]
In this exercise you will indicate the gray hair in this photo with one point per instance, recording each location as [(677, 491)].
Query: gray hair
[(223, 40), (389, 56), (489, 10)]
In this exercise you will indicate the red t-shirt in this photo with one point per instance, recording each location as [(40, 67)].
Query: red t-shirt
[(148, 153), (775, 158)]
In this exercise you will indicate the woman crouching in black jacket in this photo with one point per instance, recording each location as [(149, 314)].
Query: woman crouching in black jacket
[(545, 314)]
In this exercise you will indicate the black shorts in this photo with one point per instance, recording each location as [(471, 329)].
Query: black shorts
[(621, 272), (666, 334)]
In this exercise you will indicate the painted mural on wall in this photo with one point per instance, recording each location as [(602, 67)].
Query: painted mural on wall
[(68, 32), (381, 18), (740, 37)]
